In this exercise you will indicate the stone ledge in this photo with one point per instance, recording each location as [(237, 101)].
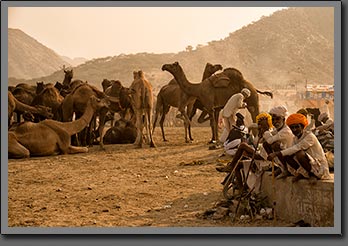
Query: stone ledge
[(301, 201)]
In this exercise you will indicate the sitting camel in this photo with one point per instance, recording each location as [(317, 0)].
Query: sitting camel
[(124, 132), (50, 137), (172, 95), (142, 103)]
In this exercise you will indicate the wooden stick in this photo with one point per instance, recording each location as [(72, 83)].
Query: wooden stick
[(273, 194)]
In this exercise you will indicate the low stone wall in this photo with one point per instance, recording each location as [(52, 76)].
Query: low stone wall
[(300, 200)]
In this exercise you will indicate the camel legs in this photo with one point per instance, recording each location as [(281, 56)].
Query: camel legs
[(148, 126), (15, 149), (75, 149), (102, 116)]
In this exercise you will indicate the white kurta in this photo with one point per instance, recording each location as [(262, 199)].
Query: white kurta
[(284, 135), (310, 144), (229, 114)]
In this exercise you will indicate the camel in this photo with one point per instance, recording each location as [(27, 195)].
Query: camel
[(76, 102), (24, 93), (124, 132), (49, 97), (142, 103), (15, 105), (50, 137), (68, 83), (120, 102), (172, 95), (105, 84), (214, 92)]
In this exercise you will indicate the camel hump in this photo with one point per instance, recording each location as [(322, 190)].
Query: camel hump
[(219, 80)]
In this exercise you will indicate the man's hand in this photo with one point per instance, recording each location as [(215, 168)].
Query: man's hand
[(271, 156)]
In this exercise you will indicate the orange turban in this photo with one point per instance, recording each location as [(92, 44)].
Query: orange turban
[(297, 119)]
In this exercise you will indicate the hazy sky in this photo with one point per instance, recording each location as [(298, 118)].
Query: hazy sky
[(94, 32)]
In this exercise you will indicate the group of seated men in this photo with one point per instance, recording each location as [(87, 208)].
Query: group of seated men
[(288, 141)]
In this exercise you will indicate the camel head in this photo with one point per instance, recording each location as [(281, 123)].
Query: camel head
[(44, 111), (97, 103), (105, 84), (172, 68), (67, 77), (213, 68)]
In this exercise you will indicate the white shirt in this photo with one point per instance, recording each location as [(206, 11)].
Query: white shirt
[(285, 137), (233, 104), (310, 144)]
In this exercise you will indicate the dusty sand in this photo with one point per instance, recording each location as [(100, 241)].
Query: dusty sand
[(171, 185)]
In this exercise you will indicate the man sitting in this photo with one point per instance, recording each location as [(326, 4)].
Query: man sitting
[(235, 136), (264, 122), (280, 138), (306, 158)]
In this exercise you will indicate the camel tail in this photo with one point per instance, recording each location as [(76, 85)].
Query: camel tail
[(267, 93)]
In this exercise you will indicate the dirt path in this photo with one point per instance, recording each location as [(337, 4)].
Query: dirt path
[(171, 185)]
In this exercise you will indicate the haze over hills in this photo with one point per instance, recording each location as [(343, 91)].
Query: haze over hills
[(28, 58), (287, 48)]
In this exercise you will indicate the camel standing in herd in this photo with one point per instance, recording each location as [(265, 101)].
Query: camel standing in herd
[(50, 137), (215, 91), (76, 102), (172, 95), (142, 103)]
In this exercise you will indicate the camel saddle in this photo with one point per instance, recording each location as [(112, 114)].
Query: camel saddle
[(219, 80)]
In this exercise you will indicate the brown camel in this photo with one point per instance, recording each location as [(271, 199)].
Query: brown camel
[(15, 105), (50, 137), (68, 83), (24, 93), (76, 102), (51, 98), (124, 132), (172, 95), (142, 103), (215, 91), (120, 102)]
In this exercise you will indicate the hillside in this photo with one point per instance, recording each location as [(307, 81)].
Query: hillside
[(289, 47), (27, 58)]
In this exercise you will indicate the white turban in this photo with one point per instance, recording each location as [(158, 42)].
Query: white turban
[(246, 92), (322, 116), (279, 110)]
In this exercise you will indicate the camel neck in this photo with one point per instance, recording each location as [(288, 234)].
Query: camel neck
[(79, 124), (188, 87)]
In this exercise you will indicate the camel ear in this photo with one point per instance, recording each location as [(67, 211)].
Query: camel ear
[(176, 63)]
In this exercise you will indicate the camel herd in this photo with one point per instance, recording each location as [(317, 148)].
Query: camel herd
[(67, 117)]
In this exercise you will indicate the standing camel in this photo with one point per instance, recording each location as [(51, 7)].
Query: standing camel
[(142, 103), (50, 137), (214, 92), (76, 102), (172, 95)]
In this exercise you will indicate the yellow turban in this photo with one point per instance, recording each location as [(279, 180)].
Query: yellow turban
[(267, 116), (297, 119)]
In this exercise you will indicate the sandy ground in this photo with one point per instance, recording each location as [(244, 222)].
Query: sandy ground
[(171, 185)]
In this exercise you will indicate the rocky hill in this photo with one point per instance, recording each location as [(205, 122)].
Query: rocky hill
[(27, 58), (289, 47)]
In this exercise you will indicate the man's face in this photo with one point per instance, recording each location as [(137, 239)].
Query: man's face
[(297, 129), (263, 124), (277, 121), (239, 122)]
